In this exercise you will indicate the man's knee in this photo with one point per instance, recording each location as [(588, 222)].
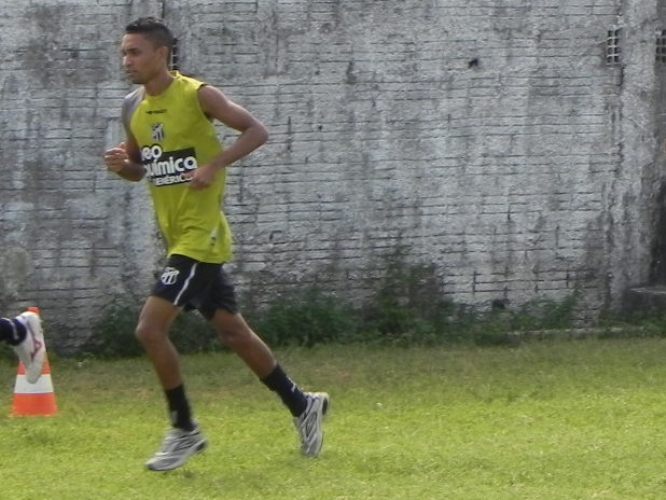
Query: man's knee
[(233, 331), (148, 334)]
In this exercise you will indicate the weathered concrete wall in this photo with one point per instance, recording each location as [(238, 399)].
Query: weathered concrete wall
[(491, 140), (72, 236)]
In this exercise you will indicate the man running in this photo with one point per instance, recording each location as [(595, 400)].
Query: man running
[(171, 141)]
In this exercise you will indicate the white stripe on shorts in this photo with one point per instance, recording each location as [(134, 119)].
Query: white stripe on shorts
[(186, 284)]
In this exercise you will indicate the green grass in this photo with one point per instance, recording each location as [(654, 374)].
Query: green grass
[(546, 420)]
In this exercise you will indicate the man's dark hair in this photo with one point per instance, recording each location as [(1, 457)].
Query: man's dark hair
[(154, 29)]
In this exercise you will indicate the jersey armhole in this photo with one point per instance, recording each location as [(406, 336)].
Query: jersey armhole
[(130, 103), (202, 85)]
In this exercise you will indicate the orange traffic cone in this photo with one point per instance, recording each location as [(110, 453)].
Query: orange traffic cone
[(38, 399)]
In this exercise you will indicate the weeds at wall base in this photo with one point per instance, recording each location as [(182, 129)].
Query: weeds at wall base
[(312, 317), (409, 308), (114, 334)]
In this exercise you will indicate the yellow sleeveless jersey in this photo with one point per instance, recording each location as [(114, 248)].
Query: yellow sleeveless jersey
[(175, 137)]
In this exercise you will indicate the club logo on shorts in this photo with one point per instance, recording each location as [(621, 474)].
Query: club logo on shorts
[(169, 276)]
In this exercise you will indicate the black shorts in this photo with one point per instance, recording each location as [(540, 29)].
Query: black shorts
[(191, 284)]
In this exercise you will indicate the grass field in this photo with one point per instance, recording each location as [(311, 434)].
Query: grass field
[(546, 420)]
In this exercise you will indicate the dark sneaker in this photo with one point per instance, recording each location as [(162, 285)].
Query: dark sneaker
[(177, 448), (309, 423)]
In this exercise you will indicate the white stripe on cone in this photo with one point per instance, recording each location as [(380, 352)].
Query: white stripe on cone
[(43, 386)]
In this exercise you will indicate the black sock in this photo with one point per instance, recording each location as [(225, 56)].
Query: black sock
[(278, 381), (179, 408), (12, 331)]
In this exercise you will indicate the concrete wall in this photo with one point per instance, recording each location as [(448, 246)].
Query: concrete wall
[(490, 140)]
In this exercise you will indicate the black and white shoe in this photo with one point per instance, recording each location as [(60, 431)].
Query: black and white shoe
[(178, 446), (310, 423), (31, 351)]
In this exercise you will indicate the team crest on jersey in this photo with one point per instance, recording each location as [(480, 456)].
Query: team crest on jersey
[(158, 132)]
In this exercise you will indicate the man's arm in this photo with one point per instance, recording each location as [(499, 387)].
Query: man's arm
[(253, 133), (124, 160)]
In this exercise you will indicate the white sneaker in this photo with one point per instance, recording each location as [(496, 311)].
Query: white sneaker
[(309, 423), (31, 351), (177, 448)]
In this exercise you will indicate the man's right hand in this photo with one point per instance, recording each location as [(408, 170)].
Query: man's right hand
[(116, 158)]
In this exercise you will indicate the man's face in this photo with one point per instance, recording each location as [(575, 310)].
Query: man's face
[(142, 60)]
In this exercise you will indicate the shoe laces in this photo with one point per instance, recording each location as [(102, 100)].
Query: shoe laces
[(172, 438)]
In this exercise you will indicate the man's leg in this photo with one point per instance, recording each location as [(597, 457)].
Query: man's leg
[(152, 331), (12, 331), (236, 334), (184, 440), (308, 409)]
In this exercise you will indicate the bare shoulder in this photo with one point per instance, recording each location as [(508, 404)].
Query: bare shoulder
[(215, 104), (211, 96)]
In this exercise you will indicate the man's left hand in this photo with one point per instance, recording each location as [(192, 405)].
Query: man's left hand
[(203, 177)]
